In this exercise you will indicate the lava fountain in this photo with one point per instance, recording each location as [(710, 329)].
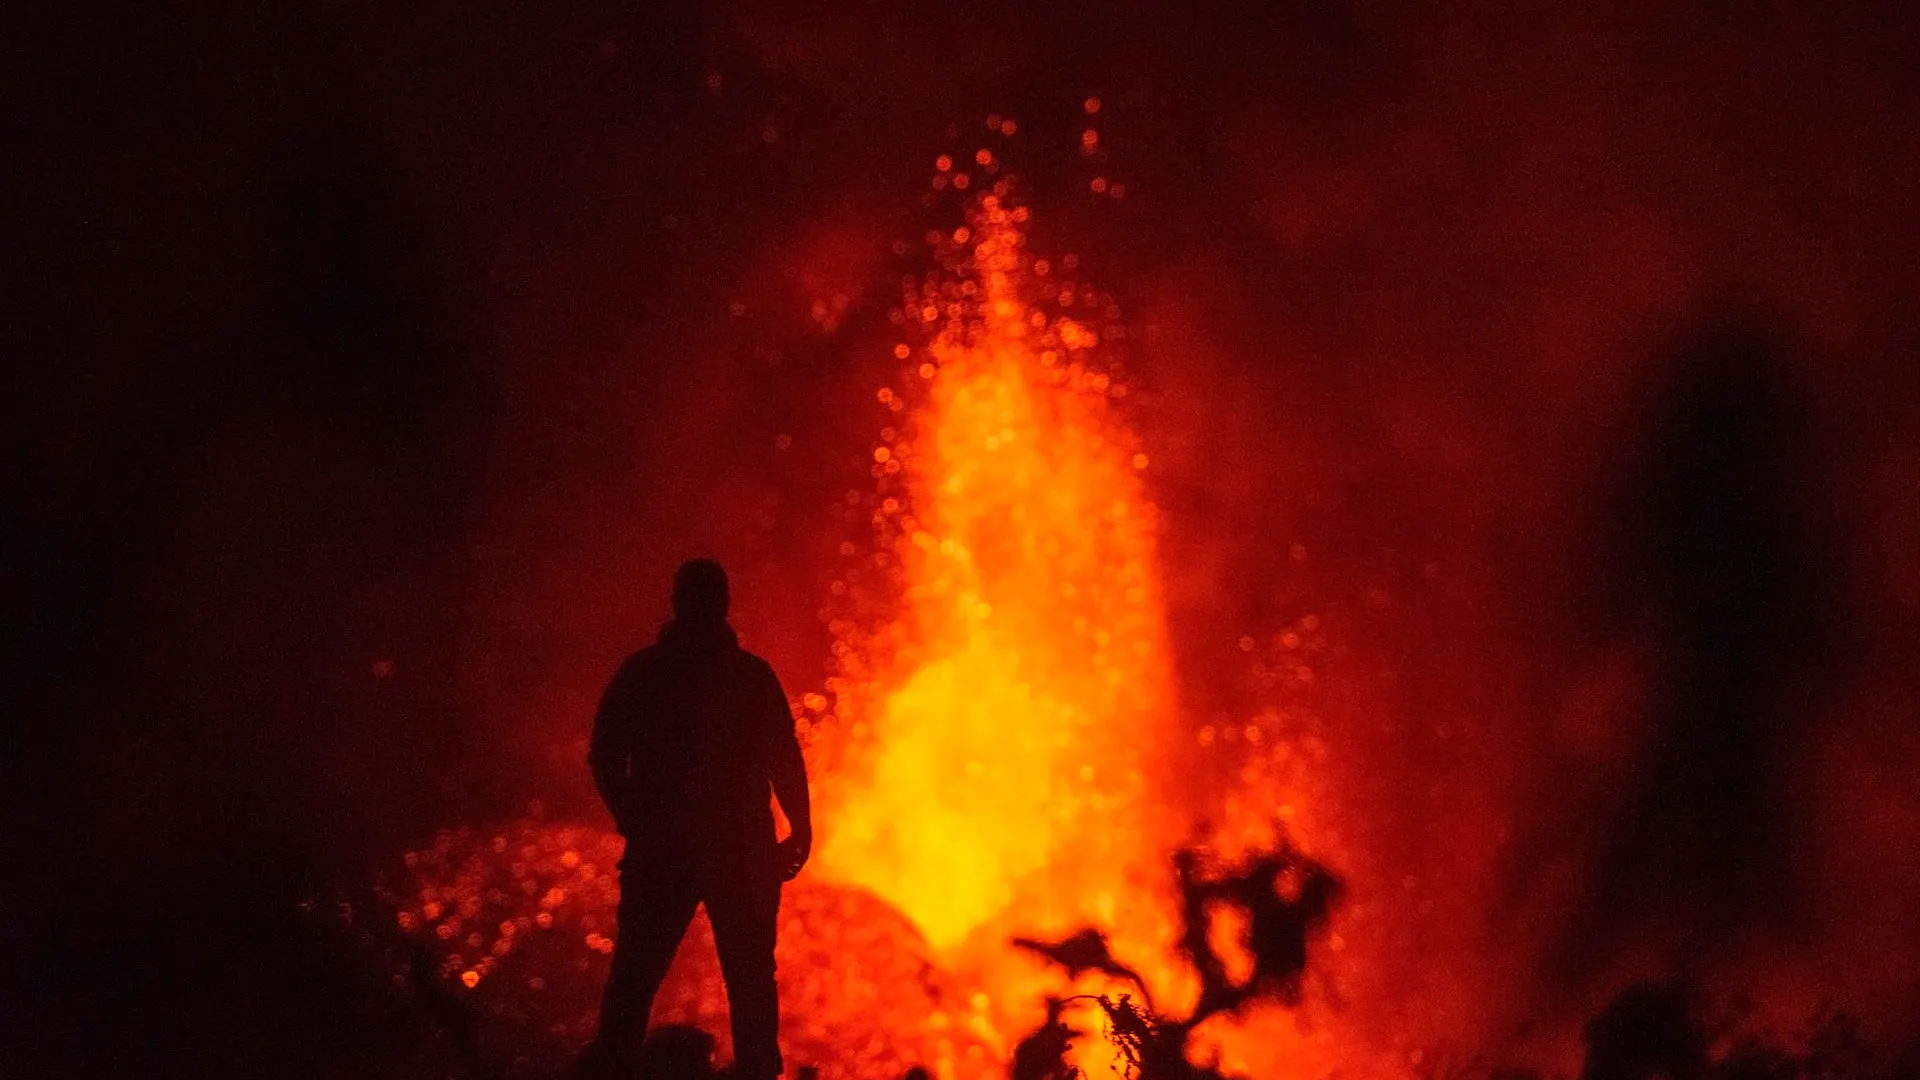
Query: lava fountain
[(995, 770)]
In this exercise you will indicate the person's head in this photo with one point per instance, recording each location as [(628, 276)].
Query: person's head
[(700, 591)]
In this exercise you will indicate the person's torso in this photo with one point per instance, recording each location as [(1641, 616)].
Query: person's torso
[(701, 748)]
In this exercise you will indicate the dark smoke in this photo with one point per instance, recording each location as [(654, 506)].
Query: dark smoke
[(1724, 575)]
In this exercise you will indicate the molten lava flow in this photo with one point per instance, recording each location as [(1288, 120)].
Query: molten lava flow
[(1011, 701)]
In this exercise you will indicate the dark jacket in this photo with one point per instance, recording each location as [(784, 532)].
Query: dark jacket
[(691, 736)]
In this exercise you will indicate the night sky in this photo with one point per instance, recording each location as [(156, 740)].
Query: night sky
[(368, 368)]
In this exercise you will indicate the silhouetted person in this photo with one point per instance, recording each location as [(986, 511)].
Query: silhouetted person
[(692, 734)]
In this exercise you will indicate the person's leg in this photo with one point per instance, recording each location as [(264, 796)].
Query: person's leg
[(745, 912), (656, 904)]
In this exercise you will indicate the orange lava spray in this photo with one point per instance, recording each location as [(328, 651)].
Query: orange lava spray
[(1000, 720)]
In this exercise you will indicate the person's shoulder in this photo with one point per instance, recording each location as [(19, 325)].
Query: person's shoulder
[(753, 663), (753, 660), (641, 660)]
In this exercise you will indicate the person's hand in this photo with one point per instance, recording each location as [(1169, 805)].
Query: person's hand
[(791, 854)]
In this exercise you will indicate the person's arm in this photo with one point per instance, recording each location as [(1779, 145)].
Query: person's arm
[(787, 769), (611, 750)]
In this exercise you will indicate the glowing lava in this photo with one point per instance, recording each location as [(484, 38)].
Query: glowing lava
[(1011, 701)]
